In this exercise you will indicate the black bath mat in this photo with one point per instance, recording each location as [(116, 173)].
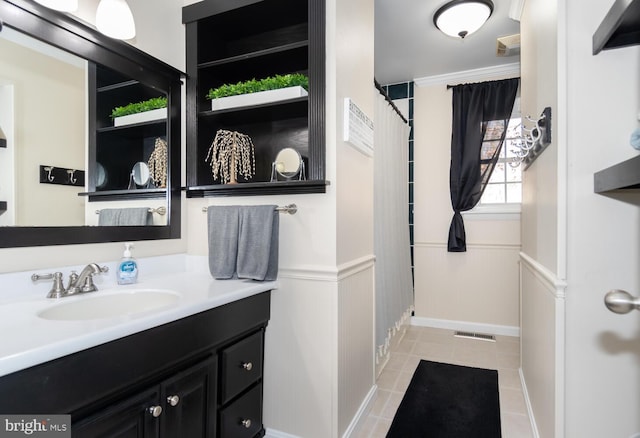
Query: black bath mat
[(449, 401)]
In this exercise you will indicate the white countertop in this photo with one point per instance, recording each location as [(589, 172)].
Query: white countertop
[(28, 339)]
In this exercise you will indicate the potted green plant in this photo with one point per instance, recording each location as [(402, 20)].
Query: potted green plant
[(151, 109), (257, 91)]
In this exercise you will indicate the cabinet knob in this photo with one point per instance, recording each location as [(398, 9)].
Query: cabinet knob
[(155, 411), (246, 423), (247, 366), (173, 400)]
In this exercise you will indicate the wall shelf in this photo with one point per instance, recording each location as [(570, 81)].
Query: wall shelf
[(622, 176), (230, 41), (115, 195), (620, 27), (258, 188)]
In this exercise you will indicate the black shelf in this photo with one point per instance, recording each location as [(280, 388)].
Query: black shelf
[(259, 188), (256, 54), (114, 195), (620, 27), (622, 176), (150, 128), (117, 86)]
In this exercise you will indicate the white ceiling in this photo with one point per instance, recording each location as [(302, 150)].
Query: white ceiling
[(409, 46)]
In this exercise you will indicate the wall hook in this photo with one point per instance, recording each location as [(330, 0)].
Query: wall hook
[(50, 177), (72, 176)]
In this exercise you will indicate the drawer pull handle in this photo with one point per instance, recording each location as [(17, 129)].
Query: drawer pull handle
[(173, 400), (155, 411), (246, 423), (247, 366)]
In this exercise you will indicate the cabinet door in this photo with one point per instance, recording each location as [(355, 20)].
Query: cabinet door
[(189, 402), (131, 418)]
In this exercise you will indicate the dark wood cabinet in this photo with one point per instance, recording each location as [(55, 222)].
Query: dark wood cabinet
[(200, 376), (231, 41)]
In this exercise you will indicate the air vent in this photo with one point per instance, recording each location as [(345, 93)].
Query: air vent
[(478, 336), (508, 45)]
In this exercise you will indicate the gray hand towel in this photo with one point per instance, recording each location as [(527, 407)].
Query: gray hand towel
[(243, 242), (258, 243), (224, 225), (125, 216)]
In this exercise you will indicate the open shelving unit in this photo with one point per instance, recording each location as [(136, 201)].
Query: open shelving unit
[(118, 148), (619, 28), (230, 41)]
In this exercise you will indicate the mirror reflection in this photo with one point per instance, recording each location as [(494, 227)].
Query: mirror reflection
[(51, 117)]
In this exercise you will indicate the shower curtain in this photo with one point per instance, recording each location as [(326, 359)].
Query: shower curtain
[(393, 281)]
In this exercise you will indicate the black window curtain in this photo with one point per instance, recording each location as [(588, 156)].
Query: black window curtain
[(481, 113)]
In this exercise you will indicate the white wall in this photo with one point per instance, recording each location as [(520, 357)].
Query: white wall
[(48, 112), (543, 239), (479, 286)]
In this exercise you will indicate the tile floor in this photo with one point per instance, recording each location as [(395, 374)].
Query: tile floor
[(441, 346)]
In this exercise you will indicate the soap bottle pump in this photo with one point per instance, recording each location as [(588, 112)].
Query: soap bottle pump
[(128, 268)]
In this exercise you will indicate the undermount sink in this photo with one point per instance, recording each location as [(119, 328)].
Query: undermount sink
[(110, 305)]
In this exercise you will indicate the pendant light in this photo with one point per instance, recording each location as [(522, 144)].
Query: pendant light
[(60, 5), (114, 19), (460, 18)]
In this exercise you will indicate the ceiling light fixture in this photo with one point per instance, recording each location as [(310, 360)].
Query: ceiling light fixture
[(60, 5), (460, 18), (115, 20)]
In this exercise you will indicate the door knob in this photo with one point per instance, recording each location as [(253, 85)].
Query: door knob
[(173, 400), (621, 301)]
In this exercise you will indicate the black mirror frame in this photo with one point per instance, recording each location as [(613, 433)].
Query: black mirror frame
[(66, 33)]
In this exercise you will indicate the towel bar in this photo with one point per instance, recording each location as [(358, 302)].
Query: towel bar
[(291, 209), (160, 210)]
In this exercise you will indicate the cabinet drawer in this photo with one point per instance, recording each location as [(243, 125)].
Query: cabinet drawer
[(241, 366), (243, 418)]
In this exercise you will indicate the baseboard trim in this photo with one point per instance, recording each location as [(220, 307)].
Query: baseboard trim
[(362, 414), (532, 418), (491, 329)]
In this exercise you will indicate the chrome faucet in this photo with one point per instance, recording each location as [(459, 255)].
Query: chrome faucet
[(77, 283)]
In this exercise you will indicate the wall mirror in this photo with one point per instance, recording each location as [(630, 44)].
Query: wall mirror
[(59, 81)]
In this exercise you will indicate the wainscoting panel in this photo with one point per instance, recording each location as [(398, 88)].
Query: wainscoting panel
[(319, 351), (355, 346), (542, 340)]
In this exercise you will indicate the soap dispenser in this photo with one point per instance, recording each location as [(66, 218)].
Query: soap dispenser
[(128, 268)]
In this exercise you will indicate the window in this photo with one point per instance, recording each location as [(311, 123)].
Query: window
[(505, 184)]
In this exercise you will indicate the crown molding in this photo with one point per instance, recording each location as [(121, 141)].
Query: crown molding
[(477, 74)]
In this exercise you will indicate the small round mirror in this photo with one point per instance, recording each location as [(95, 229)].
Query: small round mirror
[(101, 176), (140, 174), (288, 162)]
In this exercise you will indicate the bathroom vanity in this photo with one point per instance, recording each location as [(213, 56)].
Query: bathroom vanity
[(192, 368)]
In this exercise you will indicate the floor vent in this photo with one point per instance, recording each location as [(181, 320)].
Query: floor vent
[(478, 336)]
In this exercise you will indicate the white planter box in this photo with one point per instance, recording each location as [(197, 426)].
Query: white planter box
[(147, 116), (258, 98)]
